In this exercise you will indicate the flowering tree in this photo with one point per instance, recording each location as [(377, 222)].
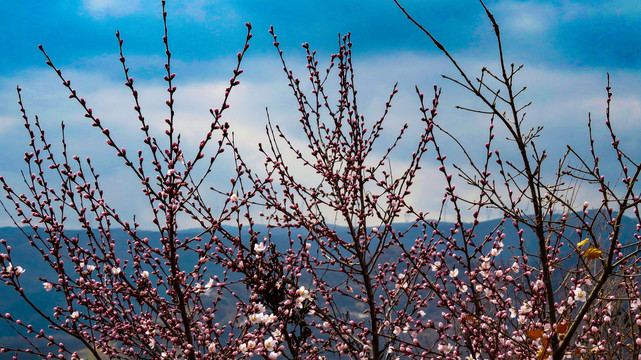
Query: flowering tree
[(149, 304), (335, 274)]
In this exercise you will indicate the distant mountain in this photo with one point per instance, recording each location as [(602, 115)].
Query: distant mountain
[(25, 256)]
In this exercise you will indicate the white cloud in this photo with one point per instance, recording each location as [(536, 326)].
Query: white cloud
[(535, 17), (197, 10), (7, 122), (531, 17), (562, 100), (99, 8)]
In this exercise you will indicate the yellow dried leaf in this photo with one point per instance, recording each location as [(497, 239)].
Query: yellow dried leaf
[(582, 243), (543, 353), (592, 253)]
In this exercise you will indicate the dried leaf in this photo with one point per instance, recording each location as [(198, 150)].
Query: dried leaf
[(470, 319), (561, 328), (592, 253), (534, 334), (543, 353), (582, 243)]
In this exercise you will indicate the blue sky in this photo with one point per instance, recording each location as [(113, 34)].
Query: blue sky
[(566, 46), (569, 33)]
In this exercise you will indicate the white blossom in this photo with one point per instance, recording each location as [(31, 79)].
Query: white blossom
[(436, 265), (259, 247), (258, 307), (579, 294), (303, 295), (539, 284), (445, 348), (526, 308), (271, 344), (397, 330)]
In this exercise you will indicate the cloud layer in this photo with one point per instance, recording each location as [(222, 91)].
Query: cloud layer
[(565, 76)]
